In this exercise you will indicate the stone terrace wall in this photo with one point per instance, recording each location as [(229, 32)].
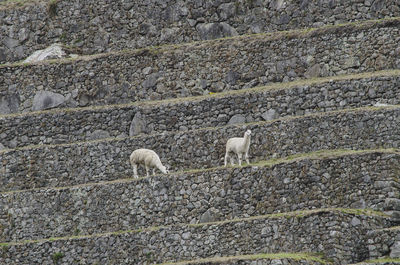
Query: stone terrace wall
[(382, 242), (79, 125), (352, 181), (328, 229), (113, 25), (205, 148), (260, 262), (198, 68)]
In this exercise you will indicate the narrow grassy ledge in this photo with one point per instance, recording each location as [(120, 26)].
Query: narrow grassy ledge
[(295, 214), (7, 4), (393, 228), (170, 48), (272, 87), (318, 155), (380, 261), (314, 257), (287, 118)]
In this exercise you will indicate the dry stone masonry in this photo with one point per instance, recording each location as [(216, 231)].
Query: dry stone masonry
[(200, 68), (264, 104), (324, 178), (365, 180), (271, 234), (94, 161), (114, 25)]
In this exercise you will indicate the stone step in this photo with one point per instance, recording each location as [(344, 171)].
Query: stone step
[(202, 67), (261, 259), (108, 159), (346, 179), (329, 231), (247, 105), (385, 242), (98, 26)]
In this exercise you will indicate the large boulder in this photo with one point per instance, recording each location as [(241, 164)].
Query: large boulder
[(47, 100), (9, 103), (209, 31)]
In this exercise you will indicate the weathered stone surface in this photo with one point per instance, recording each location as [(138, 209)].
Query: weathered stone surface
[(198, 69), (211, 31), (200, 197), (138, 125), (240, 236), (271, 104), (237, 118), (9, 103), (395, 250), (211, 215), (270, 115), (106, 160), (118, 24), (97, 134), (47, 100), (54, 51)]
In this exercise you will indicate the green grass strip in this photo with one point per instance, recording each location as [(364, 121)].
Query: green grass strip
[(295, 214), (315, 257)]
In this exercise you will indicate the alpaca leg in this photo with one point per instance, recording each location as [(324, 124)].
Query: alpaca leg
[(135, 171), (226, 158), (154, 171), (246, 156), (147, 171), (240, 159)]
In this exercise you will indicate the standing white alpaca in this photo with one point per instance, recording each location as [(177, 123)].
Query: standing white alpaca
[(239, 146), (148, 158)]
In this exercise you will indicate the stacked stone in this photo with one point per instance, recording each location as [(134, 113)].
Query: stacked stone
[(66, 193)]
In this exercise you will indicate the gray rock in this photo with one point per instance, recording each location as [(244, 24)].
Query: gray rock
[(169, 34), (186, 235), (9, 103), (209, 31), (10, 43), (52, 52), (2, 55), (47, 100), (316, 70), (278, 4), (351, 62), (2, 147), (151, 81), (211, 215), (97, 134), (395, 250), (226, 10), (138, 125), (270, 115), (276, 262), (392, 204), (355, 221), (237, 118), (232, 77)]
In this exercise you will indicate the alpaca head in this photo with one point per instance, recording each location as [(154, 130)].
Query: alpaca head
[(164, 170), (247, 133)]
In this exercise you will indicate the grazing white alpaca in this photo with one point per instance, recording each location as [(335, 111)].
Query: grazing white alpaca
[(239, 146), (148, 158)]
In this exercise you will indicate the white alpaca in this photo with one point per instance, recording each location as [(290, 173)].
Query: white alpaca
[(148, 158), (239, 146)]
